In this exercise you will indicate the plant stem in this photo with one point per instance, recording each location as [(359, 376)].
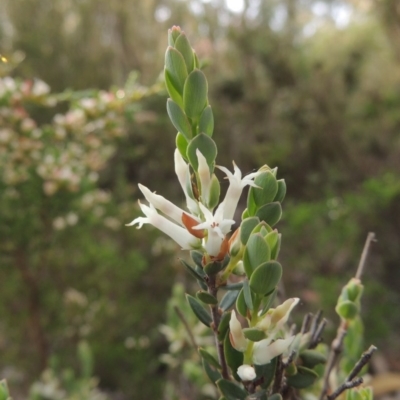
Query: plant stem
[(216, 318)]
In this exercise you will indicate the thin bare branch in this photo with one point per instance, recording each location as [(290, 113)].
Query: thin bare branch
[(345, 386), (370, 238), (364, 359), (186, 325)]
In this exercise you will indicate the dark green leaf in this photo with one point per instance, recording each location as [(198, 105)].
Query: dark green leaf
[(191, 270), (304, 378), (179, 119), (210, 358), (181, 145), (206, 297), (195, 94), (311, 358), (228, 300), (206, 146), (266, 277), (233, 286), (213, 267), (223, 326), (270, 213), (247, 295), (275, 396), (206, 123), (231, 390), (234, 358), (197, 257), (199, 310), (211, 372), (268, 187), (241, 304), (257, 252), (266, 371)]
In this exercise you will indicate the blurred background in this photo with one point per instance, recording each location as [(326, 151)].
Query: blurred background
[(310, 86)]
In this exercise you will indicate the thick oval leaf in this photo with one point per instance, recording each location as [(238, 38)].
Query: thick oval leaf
[(233, 286), (176, 67), (347, 309), (199, 310), (223, 326), (206, 297), (247, 295), (213, 267), (211, 372), (267, 302), (206, 146), (267, 188), (233, 358), (210, 358), (183, 46), (254, 334), (241, 304), (172, 91), (275, 250), (231, 391), (246, 227), (215, 191), (257, 252), (228, 300), (304, 378), (281, 193), (311, 358), (206, 123), (270, 213), (179, 119), (266, 277), (251, 203), (195, 94), (181, 145), (197, 258)]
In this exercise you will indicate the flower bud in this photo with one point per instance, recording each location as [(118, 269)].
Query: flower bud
[(246, 372), (236, 336)]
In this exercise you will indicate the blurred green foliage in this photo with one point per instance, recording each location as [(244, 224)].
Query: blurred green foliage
[(288, 88)]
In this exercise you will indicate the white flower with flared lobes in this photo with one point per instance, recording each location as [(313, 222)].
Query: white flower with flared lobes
[(198, 228)]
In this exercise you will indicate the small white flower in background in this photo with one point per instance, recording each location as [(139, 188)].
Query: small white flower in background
[(40, 88), (59, 223), (246, 372), (72, 219)]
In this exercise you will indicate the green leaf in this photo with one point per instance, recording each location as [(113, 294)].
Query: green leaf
[(179, 119), (247, 295), (213, 267), (176, 67), (275, 396), (267, 302), (210, 358), (254, 334), (268, 187), (281, 193), (191, 270), (246, 227), (266, 371), (275, 250), (251, 204), (233, 358), (181, 145), (266, 277), (347, 309), (211, 372), (233, 286), (223, 326), (206, 146), (270, 213), (231, 390), (228, 300), (304, 378), (173, 34), (183, 46), (241, 304), (257, 252), (272, 240), (311, 358), (197, 258), (215, 191), (206, 123), (206, 297), (195, 94), (174, 94), (199, 310)]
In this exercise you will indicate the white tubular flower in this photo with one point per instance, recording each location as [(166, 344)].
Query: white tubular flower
[(264, 351), (236, 186), (205, 176), (246, 372), (216, 227), (164, 205), (238, 341), (174, 231), (281, 313), (183, 173)]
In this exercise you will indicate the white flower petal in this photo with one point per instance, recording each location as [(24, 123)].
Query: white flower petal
[(237, 336), (174, 231), (246, 372), (264, 351), (204, 175)]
